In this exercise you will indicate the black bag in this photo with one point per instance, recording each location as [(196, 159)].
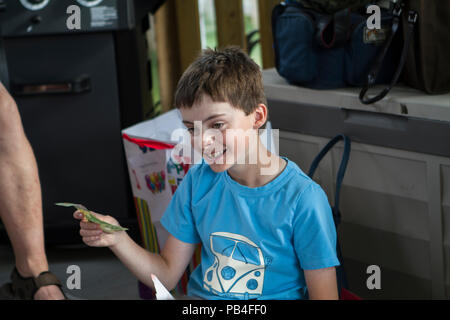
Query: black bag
[(340, 271), (428, 60), (426, 48), (325, 51)]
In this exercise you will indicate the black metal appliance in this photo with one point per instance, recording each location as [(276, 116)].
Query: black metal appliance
[(76, 88)]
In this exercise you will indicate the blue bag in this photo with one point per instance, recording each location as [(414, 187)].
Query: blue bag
[(323, 51)]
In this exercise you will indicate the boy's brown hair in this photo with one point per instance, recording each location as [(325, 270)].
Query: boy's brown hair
[(226, 75)]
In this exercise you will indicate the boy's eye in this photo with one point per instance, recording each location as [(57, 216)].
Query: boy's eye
[(192, 131), (217, 125)]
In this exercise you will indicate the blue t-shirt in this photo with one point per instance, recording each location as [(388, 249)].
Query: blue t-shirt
[(256, 242)]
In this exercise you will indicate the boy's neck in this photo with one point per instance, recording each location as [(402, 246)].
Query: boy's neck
[(267, 168)]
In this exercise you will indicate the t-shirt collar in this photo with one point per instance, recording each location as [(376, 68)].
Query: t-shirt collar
[(270, 187)]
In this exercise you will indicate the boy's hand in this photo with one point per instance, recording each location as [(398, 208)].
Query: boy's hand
[(93, 235)]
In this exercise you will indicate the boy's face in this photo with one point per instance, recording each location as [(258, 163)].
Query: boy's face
[(214, 127)]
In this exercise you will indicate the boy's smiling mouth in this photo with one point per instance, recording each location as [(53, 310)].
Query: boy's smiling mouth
[(211, 156)]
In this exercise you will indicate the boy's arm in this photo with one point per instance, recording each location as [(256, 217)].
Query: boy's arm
[(322, 284), (167, 266)]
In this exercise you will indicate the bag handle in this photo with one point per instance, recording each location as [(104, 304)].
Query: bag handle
[(373, 74), (341, 172)]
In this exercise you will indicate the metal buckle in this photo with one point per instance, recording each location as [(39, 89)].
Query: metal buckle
[(397, 11), (412, 16)]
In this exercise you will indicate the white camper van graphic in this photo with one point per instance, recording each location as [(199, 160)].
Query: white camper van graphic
[(238, 268)]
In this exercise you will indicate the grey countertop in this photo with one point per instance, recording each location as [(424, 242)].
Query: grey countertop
[(402, 100)]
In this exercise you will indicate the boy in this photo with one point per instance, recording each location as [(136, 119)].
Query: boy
[(266, 228)]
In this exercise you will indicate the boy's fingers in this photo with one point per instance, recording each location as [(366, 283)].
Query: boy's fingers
[(90, 233), (89, 226), (84, 223), (91, 239), (78, 215)]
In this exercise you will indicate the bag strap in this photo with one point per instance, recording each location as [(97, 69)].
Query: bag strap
[(341, 172), (373, 74), (341, 275)]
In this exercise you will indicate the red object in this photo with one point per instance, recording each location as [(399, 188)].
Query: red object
[(347, 295), (148, 143)]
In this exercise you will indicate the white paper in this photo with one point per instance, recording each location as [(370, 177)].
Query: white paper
[(159, 128), (141, 167), (161, 292)]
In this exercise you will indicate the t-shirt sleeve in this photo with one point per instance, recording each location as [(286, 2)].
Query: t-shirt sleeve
[(314, 230), (178, 219)]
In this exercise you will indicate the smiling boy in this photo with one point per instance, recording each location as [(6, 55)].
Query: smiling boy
[(265, 234)]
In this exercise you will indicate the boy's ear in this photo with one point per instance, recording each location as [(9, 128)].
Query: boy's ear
[(260, 116)]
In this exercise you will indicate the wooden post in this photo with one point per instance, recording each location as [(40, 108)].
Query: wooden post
[(265, 31), (166, 37), (177, 34), (230, 23), (189, 39)]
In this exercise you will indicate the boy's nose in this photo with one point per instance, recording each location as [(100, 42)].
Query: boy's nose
[(209, 138), (207, 141)]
